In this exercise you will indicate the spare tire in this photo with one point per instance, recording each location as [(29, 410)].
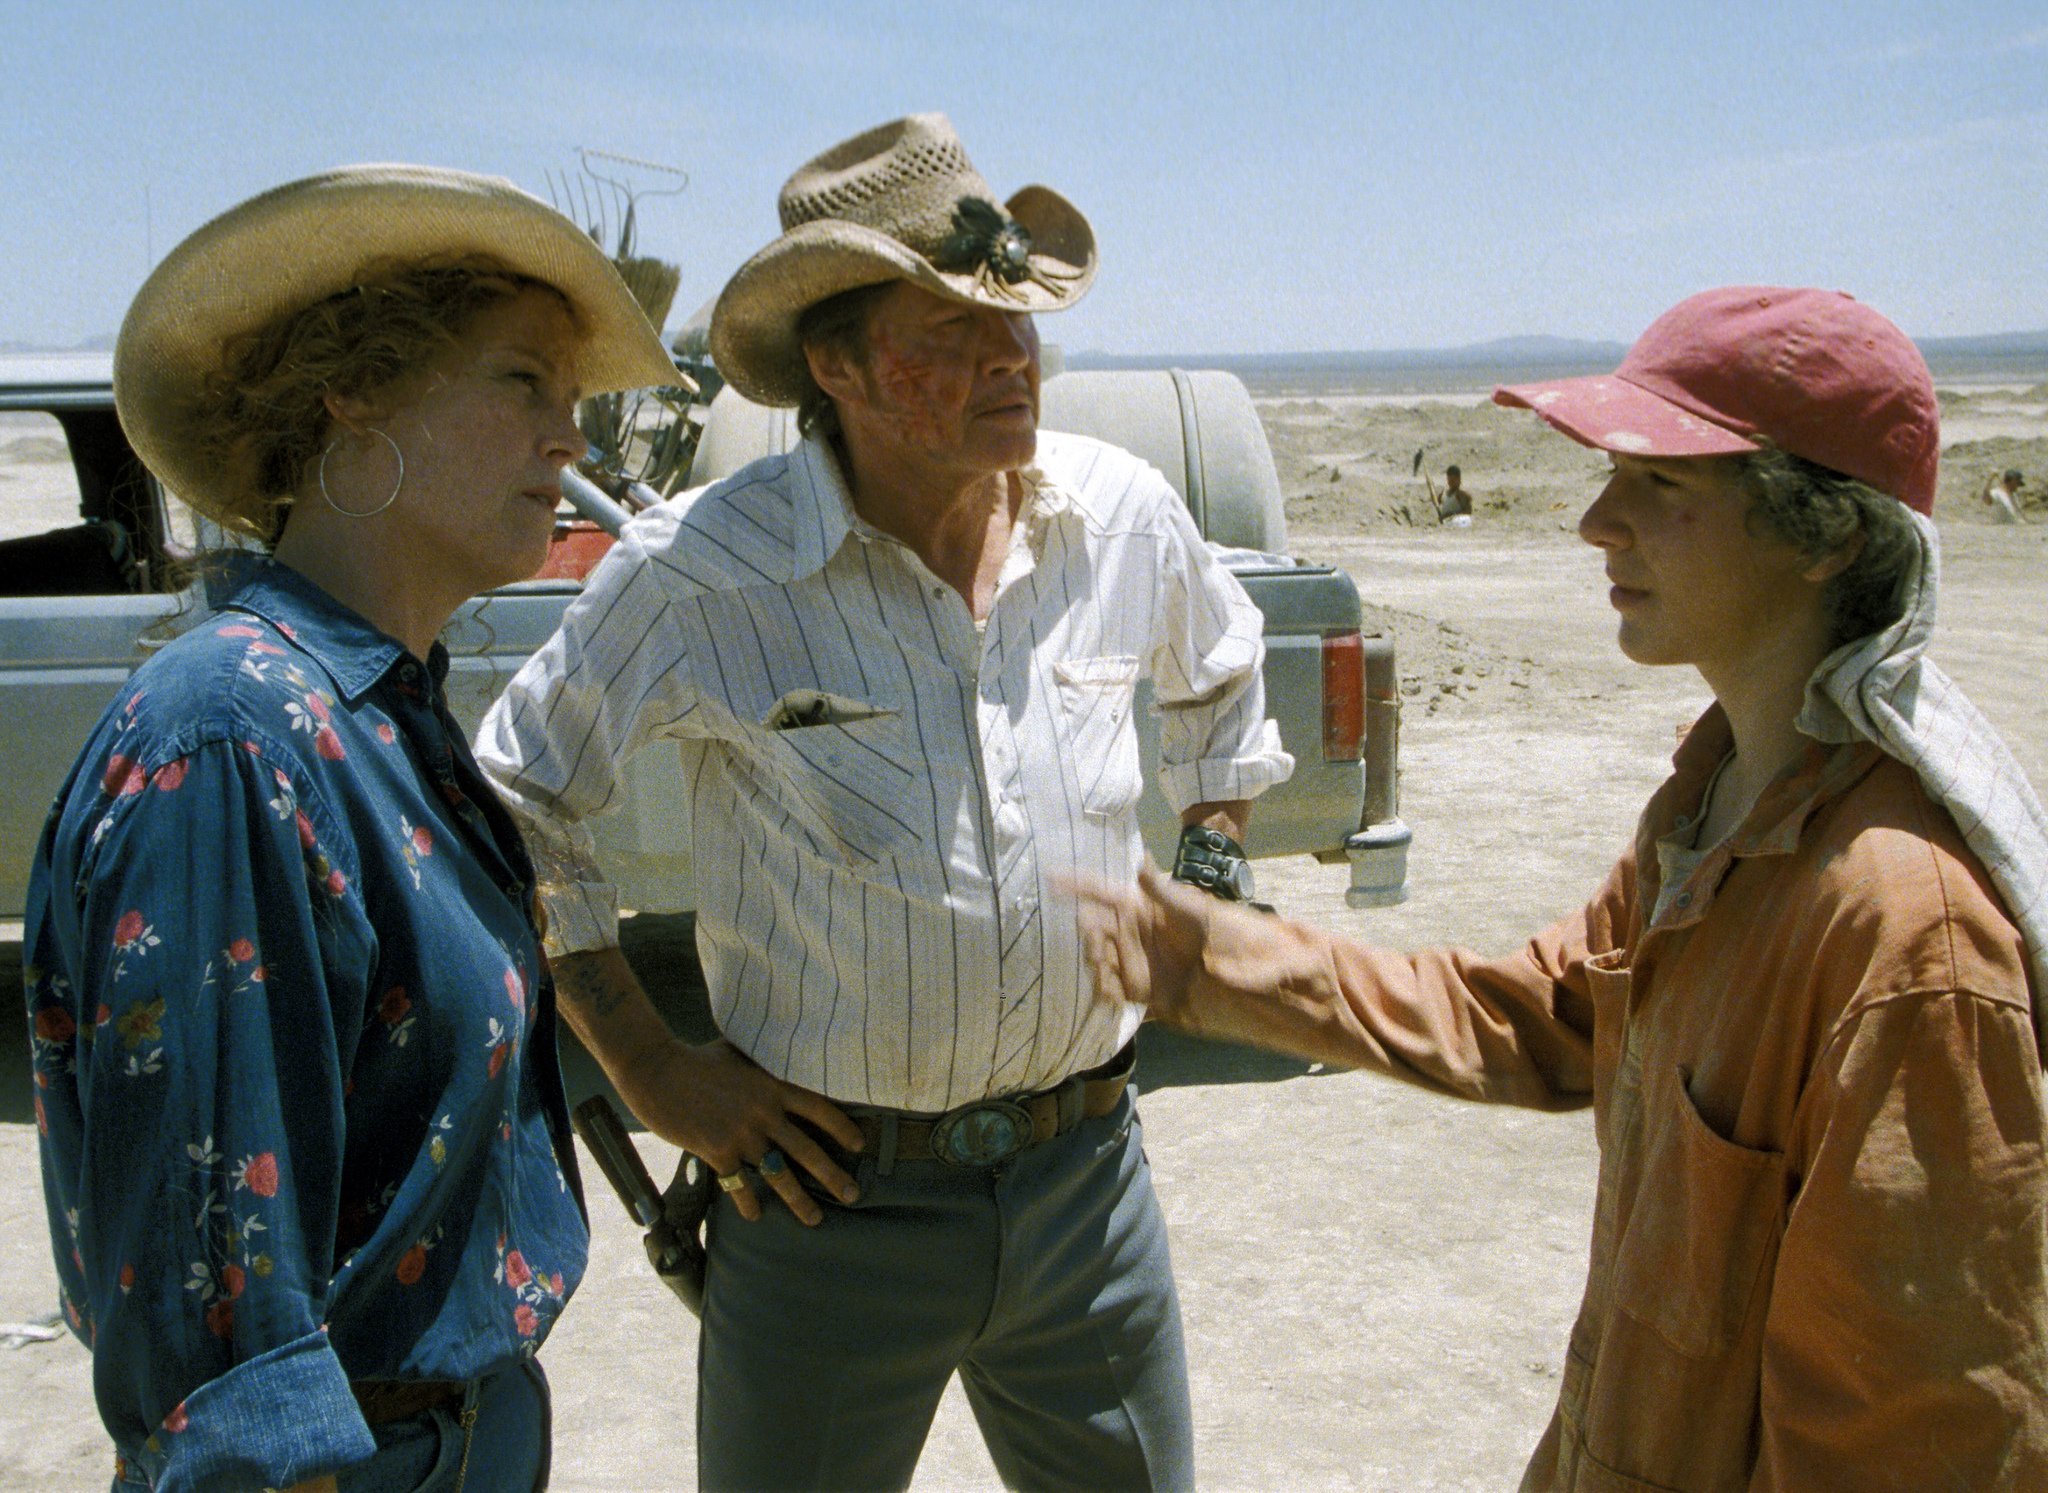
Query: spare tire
[(1197, 427)]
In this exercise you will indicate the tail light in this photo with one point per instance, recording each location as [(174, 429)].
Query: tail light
[(574, 551), (1343, 697)]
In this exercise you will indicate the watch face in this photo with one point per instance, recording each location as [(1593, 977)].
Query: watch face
[(1227, 876)]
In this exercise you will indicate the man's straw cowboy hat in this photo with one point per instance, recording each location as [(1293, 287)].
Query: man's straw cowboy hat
[(901, 202), (306, 241)]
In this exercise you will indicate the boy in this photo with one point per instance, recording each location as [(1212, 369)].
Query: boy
[(1805, 1005)]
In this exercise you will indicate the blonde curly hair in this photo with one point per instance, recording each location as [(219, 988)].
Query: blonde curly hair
[(263, 412)]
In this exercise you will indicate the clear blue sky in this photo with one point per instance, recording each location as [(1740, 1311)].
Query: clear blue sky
[(1268, 176)]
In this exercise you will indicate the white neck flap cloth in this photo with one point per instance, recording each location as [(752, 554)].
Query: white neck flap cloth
[(1881, 688)]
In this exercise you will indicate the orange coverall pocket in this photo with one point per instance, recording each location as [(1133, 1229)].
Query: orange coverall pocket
[(1703, 1236)]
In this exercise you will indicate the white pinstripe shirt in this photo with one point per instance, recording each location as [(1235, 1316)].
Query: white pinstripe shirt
[(881, 791)]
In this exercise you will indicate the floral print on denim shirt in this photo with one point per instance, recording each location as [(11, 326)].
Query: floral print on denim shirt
[(293, 1046)]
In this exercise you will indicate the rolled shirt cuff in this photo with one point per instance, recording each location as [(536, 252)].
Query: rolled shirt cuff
[(581, 916), (1224, 779), (278, 1419)]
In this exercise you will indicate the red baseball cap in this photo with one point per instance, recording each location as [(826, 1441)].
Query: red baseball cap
[(1813, 372)]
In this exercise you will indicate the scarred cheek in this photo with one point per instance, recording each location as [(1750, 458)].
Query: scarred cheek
[(903, 377), (901, 368), (911, 387)]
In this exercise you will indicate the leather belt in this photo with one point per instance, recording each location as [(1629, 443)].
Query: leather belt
[(992, 1131), (386, 1400)]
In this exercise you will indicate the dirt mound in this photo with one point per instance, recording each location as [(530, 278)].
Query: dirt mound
[(1349, 464)]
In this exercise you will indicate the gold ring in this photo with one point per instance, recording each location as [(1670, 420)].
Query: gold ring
[(732, 1182)]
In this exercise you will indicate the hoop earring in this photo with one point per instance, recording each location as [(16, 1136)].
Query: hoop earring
[(321, 474)]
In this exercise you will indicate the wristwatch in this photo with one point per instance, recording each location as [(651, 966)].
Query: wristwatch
[(1211, 860)]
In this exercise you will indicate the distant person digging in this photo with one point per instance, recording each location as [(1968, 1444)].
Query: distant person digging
[(1454, 505), (2002, 493)]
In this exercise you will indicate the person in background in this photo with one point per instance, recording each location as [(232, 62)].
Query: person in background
[(1807, 1003), (901, 662), (304, 1144), (1455, 506), (2002, 493)]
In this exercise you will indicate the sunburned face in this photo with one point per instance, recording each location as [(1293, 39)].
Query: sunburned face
[(1693, 582), (946, 384), (486, 429)]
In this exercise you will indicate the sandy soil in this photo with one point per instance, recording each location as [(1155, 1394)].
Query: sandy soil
[(1377, 1283)]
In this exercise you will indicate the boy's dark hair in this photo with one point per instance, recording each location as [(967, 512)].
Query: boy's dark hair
[(1817, 510)]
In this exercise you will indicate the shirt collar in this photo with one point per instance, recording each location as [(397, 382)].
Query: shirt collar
[(354, 654), (1045, 499), (828, 519), (825, 507), (1773, 825)]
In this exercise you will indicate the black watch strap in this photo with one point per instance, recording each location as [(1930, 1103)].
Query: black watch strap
[(1211, 860)]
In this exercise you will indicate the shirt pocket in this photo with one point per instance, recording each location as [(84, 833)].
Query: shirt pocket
[(1097, 699), (844, 786), (1704, 1232)]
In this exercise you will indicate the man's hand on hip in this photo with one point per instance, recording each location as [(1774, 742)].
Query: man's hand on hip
[(713, 1100)]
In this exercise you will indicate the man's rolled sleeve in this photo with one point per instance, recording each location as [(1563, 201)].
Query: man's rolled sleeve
[(1259, 764), (556, 743), (230, 1434), (1215, 741)]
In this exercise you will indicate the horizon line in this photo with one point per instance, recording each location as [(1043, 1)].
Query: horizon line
[(1535, 347)]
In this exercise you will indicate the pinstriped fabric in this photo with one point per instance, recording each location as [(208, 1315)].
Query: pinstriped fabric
[(881, 790)]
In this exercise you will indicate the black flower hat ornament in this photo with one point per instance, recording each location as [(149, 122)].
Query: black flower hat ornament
[(987, 243)]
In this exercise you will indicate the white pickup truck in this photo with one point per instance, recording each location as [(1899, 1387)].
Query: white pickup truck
[(97, 569)]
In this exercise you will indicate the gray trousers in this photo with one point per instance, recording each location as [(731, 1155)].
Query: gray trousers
[(1044, 1283)]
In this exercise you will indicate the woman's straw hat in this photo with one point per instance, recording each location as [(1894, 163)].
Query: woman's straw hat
[(901, 202), (303, 242)]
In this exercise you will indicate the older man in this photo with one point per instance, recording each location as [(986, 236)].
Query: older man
[(901, 664)]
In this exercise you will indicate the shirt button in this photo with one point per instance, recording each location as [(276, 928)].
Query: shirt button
[(1684, 899)]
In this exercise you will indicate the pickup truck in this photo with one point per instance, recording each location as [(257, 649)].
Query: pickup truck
[(97, 569)]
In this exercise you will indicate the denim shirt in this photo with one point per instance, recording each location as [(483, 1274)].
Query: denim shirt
[(294, 1048)]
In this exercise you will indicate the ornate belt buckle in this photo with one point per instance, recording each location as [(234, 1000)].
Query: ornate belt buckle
[(984, 1134)]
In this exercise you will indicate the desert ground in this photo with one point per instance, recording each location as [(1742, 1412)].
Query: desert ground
[(1377, 1283)]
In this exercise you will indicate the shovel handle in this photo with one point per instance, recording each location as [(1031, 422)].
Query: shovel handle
[(618, 1158)]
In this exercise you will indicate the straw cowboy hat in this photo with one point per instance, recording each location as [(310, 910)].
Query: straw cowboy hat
[(297, 245), (901, 202)]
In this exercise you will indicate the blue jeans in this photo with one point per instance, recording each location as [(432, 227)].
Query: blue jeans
[(504, 1450), (1045, 1283)]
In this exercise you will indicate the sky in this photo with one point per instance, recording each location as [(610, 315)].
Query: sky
[(1267, 177)]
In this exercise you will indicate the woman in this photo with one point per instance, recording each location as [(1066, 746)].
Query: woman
[(304, 1146), (1807, 1003)]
